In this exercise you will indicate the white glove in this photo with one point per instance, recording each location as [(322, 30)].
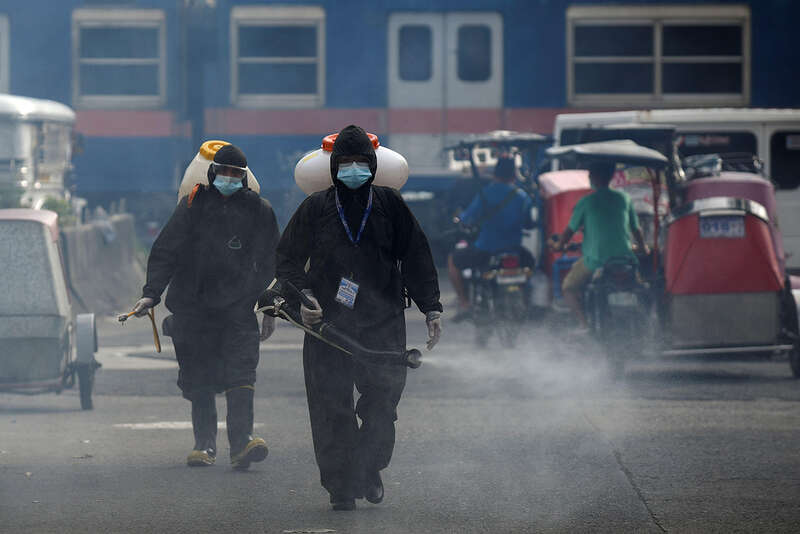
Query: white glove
[(142, 305), (310, 316), (267, 327), (434, 321)]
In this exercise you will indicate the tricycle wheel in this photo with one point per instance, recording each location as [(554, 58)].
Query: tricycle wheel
[(794, 361), (86, 384), (616, 367), (483, 330)]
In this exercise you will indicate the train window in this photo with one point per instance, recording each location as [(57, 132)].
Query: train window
[(415, 50), (702, 40), (653, 55), (609, 40), (474, 53), (701, 78), (609, 78), (277, 56), (119, 57), (785, 159), (700, 59)]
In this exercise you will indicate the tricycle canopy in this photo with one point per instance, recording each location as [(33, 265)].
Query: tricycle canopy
[(519, 144)]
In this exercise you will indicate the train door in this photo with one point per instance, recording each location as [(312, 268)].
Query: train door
[(441, 65)]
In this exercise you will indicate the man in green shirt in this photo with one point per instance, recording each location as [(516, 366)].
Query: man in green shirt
[(608, 221)]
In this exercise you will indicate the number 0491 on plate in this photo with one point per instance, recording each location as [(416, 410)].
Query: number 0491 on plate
[(722, 226)]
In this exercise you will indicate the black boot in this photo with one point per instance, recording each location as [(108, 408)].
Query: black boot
[(245, 449), (373, 487), (342, 503), (204, 424)]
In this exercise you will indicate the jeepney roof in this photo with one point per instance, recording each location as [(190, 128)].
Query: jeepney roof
[(621, 151), (34, 109), (678, 117), (502, 138), (45, 217)]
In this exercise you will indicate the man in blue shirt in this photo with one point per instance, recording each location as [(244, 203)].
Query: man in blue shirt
[(501, 211)]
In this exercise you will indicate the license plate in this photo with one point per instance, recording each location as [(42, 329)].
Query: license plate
[(518, 279), (623, 299), (722, 226)]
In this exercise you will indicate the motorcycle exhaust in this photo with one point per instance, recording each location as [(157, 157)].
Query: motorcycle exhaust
[(273, 301)]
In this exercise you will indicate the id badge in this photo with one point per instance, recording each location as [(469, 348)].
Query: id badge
[(348, 291)]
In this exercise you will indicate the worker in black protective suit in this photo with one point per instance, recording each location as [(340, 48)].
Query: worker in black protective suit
[(217, 253), (362, 246)]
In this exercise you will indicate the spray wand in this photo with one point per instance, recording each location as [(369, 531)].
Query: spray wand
[(152, 315), (273, 302)]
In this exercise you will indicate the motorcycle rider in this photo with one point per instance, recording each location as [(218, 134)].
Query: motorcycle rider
[(501, 211), (608, 221), (351, 249), (217, 253)]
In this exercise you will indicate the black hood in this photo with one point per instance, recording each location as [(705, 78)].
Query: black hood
[(228, 155), (353, 141)]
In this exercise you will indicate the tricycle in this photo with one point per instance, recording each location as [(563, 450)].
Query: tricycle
[(726, 289), (718, 282), (45, 346)]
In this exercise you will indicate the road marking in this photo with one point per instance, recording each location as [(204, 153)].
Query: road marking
[(116, 358), (170, 425), (168, 347)]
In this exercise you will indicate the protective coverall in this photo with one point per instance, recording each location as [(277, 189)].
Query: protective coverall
[(392, 253), (217, 254)]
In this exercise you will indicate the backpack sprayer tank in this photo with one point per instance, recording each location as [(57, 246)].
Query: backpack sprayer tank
[(197, 171), (313, 172)]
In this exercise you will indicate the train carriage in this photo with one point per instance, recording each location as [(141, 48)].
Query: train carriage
[(151, 79)]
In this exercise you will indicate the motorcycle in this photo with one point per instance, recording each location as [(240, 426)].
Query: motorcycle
[(616, 306), (498, 291)]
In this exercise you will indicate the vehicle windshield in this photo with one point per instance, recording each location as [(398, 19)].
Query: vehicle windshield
[(693, 143), (54, 146), (27, 281), (785, 158), (14, 139)]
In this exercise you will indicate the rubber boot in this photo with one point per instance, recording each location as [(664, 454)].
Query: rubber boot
[(204, 424), (245, 449), (373, 487)]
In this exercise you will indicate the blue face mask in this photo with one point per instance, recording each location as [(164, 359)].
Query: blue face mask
[(227, 185), (354, 174)]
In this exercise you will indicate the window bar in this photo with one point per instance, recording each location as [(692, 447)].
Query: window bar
[(658, 93)]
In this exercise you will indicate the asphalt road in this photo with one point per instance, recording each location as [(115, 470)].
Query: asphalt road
[(533, 440)]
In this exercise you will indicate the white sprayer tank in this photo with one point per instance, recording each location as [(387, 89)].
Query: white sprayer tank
[(197, 171), (313, 172)]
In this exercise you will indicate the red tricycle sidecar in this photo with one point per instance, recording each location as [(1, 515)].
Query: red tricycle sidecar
[(726, 289), (560, 191)]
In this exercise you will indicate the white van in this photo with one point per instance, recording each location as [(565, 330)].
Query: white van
[(773, 135)]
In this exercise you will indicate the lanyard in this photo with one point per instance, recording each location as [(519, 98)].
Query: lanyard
[(363, 220)]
